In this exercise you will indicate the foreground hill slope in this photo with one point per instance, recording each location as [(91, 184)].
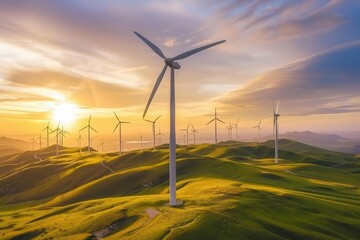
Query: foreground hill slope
[(229, 191)]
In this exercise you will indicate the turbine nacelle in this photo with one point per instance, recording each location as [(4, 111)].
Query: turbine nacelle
[(170, 62)]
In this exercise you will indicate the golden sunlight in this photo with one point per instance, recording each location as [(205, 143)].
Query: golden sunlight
[(65, 112)]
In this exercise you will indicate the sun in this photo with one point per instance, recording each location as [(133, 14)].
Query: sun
[(65, 112)]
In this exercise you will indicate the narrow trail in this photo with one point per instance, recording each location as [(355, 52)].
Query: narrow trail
[(38, 158), (151, 212), (108, 168)]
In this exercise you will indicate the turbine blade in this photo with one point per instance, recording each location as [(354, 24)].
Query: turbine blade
[(196, 50), (148, 120), (273, 106), (260, 122), (116, 116), (157, 83), (157, 118), (210, 121), (277, 107), (93, 129), (151, 45), (89, 119), (81, 129), (116, 127), (220, 120)]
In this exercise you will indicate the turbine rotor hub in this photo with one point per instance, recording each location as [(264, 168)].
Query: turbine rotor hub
[(172, 63)]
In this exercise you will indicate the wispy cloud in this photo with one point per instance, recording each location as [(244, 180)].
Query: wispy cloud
[(316, 85)]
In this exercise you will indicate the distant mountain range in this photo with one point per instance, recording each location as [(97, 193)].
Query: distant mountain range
[(10, 146), (327, 141)]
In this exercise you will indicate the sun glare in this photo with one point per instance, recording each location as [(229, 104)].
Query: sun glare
[(65, 113)]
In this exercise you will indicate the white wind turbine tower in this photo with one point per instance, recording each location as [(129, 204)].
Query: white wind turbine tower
[(194, 132), (276, 129), (62, 132), (259, 130), (215, 119), (40, 138), (79, 139), (153, 128), (33, 142), (141, 142), (89, 128), (57, 130), (171, 62), (101, 145), (236, 128), (119, 125), (159, 134), (229, 128), (187, 133), (48, 130)]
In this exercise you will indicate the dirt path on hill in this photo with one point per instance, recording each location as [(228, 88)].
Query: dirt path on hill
[(38, 158), (98, 235), (107, 167), (151, 212)]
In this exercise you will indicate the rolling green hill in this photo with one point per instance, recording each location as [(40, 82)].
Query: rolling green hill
[(232, 190)]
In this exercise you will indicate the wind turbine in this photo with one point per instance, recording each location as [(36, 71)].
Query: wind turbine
[(141, 142), (33, 143), (57, 130), (62, 132), (159, 134), (39, 139), (194, 131), (153, 128), (102, 145), (89, 127), (236, 128), (119, 125), (215, 119), (259, 130), (276, 129), (171, 62), (47, 128), (79, 141), (229, 128), (187, 133)]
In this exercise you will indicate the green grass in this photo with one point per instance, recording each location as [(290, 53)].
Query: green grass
[(230, 191)]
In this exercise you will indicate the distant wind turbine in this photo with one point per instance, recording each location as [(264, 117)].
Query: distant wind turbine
[(102, 145), (62, 134), (89, 128), (40, 138), (159, 134), (187, 133), (79, 139), (215, 119), (171, 62), (153, 129), (33, 143), (57, 130), (236, 128), (141, 142), (259, 130), (119, 125), (194, 131), (276, 129), (48, 130), (229, 128)]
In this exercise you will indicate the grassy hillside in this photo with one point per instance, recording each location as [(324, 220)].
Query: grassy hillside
[(229, 191)]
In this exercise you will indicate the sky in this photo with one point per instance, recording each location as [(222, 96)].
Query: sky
[(79, 57)]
